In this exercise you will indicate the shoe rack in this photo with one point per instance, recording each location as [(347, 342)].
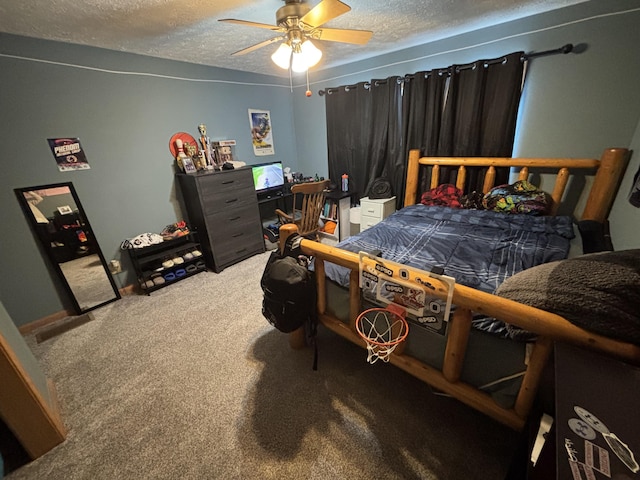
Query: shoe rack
[(158, 266)]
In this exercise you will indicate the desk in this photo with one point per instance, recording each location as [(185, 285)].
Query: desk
[(269, 203)]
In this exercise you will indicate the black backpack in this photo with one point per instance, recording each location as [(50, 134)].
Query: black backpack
[(289, 289)]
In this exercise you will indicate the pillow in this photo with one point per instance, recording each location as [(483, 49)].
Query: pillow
[(519, 197), (599, 292)]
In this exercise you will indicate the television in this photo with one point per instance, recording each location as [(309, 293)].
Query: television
[(268, 177)]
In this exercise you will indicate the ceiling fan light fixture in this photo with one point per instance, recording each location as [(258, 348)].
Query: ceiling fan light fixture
[(305, 56), (297, 22), (282, 56), (311, 53)]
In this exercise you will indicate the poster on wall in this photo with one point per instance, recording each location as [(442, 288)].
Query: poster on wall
[(69, 154), (261, 133)]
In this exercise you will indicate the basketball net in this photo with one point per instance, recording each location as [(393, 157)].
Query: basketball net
[(383, 329)]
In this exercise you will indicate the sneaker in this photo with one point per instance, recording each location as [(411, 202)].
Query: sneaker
[(167, 263)]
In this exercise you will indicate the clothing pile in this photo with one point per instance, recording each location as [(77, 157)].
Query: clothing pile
[(519, 197), (174, 230)]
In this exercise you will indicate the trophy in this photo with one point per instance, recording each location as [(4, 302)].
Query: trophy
[(205, 142)]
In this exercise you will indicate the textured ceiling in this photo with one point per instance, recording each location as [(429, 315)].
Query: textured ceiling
[(188, 30)]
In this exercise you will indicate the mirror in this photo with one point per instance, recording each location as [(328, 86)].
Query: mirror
[(62, 227)]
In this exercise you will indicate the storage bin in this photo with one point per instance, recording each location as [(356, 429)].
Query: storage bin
[(354, 220)]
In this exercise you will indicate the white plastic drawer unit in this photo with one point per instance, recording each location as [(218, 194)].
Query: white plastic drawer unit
[(373, 211), (370, 208)]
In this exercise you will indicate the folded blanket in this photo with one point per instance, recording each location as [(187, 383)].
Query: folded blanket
[(599, 292)]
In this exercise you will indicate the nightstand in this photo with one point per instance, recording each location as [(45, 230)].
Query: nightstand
[(375, 210)]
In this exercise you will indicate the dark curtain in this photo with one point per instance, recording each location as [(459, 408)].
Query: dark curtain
[(480, 115), (463, 110), (422, 106), (348, 111), (385, 153)]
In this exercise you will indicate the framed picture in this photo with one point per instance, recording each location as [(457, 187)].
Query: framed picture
[(65, 210), (69, 154), (261, 132), (189, 166)]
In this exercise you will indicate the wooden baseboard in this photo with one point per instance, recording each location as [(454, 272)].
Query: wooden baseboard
[(54, 317), (130, 289), (44, 321)]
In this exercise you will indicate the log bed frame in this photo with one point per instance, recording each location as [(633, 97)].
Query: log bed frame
[(549, 327)]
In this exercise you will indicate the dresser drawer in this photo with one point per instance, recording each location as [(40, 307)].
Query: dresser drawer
[(231, 221), (225, 181), (367, 221), (371, 209), (232, 251), (219, 191), (229, 198), (238, 240), (230, 217)]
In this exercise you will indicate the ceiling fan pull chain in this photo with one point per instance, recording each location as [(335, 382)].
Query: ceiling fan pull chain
[(291, 71)]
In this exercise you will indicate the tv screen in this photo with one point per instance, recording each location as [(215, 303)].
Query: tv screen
[(268, 176)]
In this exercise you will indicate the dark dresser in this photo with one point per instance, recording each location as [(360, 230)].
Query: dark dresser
[(223, 208)]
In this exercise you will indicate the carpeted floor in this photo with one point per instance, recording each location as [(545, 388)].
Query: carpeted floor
[(193, 383)]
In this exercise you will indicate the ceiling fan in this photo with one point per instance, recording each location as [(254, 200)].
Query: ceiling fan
[(297, 24)]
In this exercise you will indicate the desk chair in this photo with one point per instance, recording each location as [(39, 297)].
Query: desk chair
[(307, 217)]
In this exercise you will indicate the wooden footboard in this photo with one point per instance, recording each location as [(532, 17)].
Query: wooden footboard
[(548, 326)]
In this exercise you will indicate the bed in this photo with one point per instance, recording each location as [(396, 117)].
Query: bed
[(478, 356)]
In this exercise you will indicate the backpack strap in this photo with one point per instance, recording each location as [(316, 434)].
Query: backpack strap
[(293, 248)]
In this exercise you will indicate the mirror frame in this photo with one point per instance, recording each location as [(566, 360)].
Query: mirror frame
[(45, 243)]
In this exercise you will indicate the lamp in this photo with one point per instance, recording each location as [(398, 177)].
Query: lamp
[(299, 57)]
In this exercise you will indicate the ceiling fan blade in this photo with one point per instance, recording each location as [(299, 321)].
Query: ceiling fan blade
[(256, 46), (359, 37), (323, 12), (253, 24)]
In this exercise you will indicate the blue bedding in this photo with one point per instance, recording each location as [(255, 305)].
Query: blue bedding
[(479, 248)]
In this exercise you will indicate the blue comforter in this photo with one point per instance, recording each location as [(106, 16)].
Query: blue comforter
[(479, 248)]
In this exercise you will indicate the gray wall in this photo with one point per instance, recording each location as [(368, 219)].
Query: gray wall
[(573, 105), (124, 122)]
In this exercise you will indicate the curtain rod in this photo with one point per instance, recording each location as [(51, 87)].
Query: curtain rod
[(568, 48)]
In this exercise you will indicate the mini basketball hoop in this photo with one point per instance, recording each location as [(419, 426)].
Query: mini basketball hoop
[(382, 329)]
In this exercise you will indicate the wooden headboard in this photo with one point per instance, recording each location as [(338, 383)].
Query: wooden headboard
[(608, 174)]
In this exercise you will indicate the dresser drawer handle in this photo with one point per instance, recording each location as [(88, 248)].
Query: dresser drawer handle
[(228, 182), (231, 201), (235, 218), (238, 235)]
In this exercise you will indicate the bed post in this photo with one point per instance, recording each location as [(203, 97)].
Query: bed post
[(613, 163), (528, 389), (413, 178), (457, 339)]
